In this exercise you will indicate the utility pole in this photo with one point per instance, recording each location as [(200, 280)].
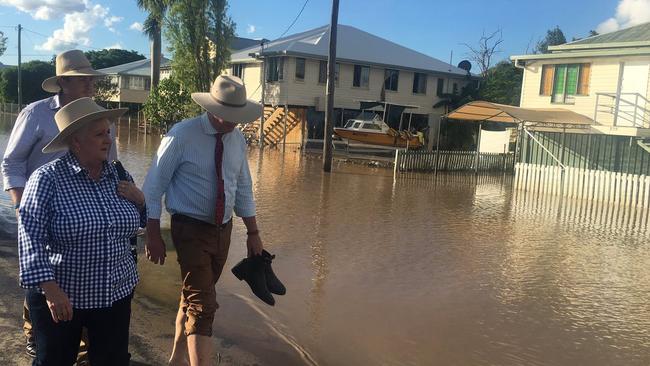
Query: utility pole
[(20, 79), (263, 92), (329, 112)]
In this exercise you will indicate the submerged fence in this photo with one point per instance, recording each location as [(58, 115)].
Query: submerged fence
[(8, 112), (593, 185), (425, 161)]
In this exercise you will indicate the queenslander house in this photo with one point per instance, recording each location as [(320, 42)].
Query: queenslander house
[(605, 78), (368, 68)]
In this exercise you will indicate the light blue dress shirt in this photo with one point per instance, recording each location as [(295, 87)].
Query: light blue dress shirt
[(184, 171), (34, 128)]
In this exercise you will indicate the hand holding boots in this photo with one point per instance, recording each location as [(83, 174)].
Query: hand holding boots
[(259, 275)]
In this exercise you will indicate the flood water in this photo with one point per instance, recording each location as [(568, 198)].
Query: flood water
[(422, 270)]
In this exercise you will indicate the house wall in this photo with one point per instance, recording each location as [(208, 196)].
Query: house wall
[(310, 93), (603, 79)]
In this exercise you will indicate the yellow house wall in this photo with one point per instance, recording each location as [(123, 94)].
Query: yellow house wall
[(603, 79)]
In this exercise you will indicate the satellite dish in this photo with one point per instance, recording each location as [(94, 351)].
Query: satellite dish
[(465, 65)]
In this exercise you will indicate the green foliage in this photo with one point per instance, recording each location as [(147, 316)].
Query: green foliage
[(167, 104), (101, 59), (553, 37), (3, 43), (105, 89), (199, 33), (502, 84), (33, 74)]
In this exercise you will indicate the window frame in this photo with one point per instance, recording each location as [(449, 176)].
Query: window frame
[(440, 87), (275, 69), (549, 77), (322, 72), (238, 67), (357, 77), (419, 76), (304, 68), (389, 75)]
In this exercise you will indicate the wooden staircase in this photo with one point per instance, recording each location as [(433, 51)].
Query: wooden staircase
[(274, 129), (251, 129)]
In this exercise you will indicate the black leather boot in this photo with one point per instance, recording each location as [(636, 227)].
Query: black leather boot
[(272, 282), (252, 270)]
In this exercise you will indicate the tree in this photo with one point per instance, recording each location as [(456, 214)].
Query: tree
[(199, 33), (33, 74), (553, 37), (3, 43), (503, 84), (488, 46), (106, 58), (167, 103), (152, 27)]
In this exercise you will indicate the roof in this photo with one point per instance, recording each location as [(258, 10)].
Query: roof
[(239, 43), (632, 41), (135, 68), (353, 46), (636, 34), (480, 111)]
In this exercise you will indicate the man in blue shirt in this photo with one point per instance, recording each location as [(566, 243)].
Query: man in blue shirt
[(35, 127), (202, 169)]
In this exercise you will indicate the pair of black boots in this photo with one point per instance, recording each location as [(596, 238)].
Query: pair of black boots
[(257, 272)]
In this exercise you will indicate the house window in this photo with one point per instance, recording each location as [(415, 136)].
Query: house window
[(136, 83), (300, 68), (419, 83), (391, 77), (361, 76), (455, 88), (563, 82), (322, 72), (275, 69), (440, 87), (238, 70)]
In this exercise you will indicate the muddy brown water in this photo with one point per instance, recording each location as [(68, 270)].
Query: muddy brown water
[(418, 270)]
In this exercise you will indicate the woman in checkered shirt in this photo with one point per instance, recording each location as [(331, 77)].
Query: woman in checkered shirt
[(76, 218)]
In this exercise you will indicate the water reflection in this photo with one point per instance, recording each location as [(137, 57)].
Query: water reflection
[(420, 269)]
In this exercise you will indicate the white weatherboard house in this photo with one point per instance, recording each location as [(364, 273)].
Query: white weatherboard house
[(368, 68), (605, 78)]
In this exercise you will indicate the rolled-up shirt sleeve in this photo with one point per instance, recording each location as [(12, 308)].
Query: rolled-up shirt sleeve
[(244, 199), (160, 173), (23, 137), (35, 215)]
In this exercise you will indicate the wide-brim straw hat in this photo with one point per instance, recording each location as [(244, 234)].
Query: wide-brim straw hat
[(70, 63), (74, 116), (227, 100)]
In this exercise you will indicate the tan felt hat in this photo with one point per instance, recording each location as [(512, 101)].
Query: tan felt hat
[(69, 63), (227, 100), (73, 116)]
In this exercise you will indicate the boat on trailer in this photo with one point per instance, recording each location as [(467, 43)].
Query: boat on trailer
[(376, 132)]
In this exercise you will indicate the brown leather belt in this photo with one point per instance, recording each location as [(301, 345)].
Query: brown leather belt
[(191, 220)]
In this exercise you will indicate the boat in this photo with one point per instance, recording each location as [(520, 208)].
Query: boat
[(376, 132)]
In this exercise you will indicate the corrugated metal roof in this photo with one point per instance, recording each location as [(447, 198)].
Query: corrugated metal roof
[(136, 68), (638, 33), (616, 52), (354, 46)]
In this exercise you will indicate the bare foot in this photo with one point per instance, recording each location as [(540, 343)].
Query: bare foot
[(179, 361)]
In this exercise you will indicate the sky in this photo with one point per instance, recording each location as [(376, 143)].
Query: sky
[(436, 28)]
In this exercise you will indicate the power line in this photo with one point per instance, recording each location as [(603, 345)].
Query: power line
[(74, 44), (295, 20)]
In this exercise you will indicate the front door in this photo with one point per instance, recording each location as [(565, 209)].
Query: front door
[(634, 90)]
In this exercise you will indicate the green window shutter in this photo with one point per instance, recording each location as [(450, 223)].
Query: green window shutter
[(558, 83), (572, 79)]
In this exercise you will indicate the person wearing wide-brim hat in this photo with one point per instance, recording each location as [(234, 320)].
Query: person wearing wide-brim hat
[(35, 127), (201, 167), (76, 221)]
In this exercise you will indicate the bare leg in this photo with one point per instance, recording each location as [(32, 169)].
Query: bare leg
[(200, 350), (179, 355)]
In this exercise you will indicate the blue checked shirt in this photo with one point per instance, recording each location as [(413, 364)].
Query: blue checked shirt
[(184, 171), (76, 232)]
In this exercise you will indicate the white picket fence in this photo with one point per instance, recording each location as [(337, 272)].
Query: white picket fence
[(422, 161), (593, 185)]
